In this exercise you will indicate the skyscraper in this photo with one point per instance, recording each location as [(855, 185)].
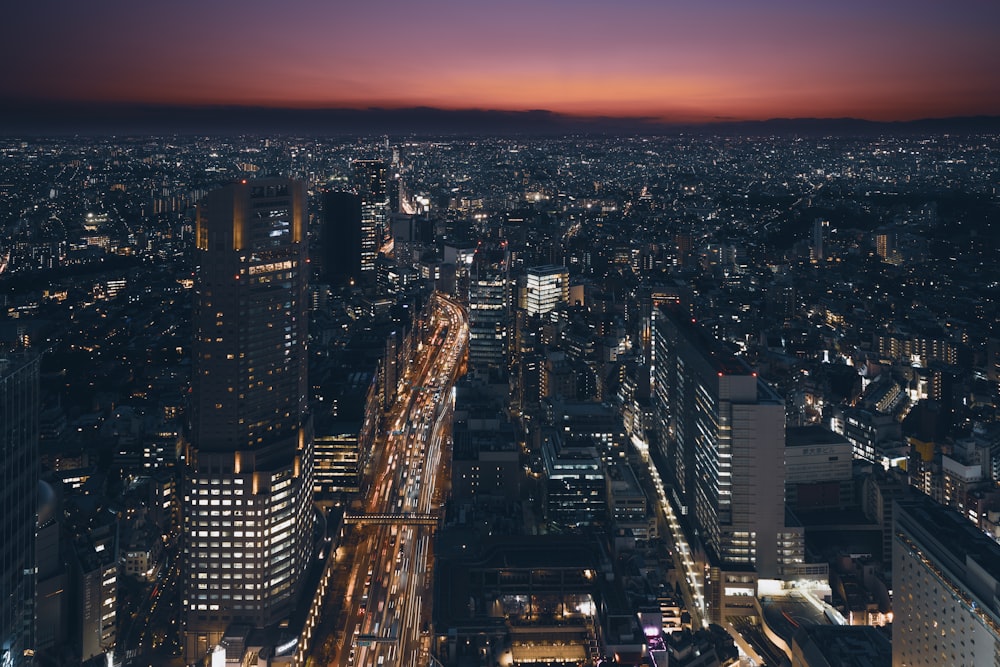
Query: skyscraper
[(723, 435), (489, 307), (816, 251), (885, 244), (18, 499), (341, 232), (248, 517), (370, 179)]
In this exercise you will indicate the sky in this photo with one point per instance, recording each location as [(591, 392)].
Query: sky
[(669, 60)]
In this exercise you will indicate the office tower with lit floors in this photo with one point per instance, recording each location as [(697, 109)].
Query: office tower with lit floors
[(489, 308), (18, 500), (543, 288), (247, 495), (722, 433), (370, 181)]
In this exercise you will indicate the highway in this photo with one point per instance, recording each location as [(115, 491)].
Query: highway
[(389, 585)]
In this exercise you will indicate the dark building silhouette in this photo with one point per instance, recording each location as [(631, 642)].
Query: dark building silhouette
[(341, 238), (18, 501)]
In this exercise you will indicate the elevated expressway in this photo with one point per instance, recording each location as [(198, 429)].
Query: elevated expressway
[(389, 585)]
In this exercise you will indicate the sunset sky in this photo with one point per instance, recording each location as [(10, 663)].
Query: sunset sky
[(665, 59)]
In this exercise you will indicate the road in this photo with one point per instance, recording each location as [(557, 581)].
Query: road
[(691, 583), (388, 589), (152, 636)]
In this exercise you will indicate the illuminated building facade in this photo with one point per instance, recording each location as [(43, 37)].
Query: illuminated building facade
[(489, 307), (724, 436), (97, 571), (337, 460), (18, 499), (885, 244), (370, 180), (544, 288), (575, 493), (945, 576), (248, 517)]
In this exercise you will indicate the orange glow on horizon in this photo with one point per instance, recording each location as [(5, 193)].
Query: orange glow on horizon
[(692, 97), (892, 60)]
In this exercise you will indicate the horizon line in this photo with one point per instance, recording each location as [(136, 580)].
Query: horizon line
[(45, 117), (16, 105)]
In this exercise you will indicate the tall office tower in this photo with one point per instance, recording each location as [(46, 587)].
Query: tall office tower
[(945, 578), (18, 501), (724, 436), (342, 233), (489, 307), (96, 564), (370, 180), (248, 478), (543, 288), (816, 252)]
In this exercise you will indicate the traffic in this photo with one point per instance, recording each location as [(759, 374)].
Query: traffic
[(388, 592)]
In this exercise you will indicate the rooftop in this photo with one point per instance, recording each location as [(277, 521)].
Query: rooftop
[(845, 645), (807, 436)]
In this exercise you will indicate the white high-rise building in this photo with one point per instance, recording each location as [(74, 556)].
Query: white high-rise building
[(946, 582), (722, 431)]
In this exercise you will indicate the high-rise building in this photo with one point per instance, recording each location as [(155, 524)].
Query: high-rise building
[(370, 180), (53, 584), (248, 516), (780, 301), (489, 307), (722, 433), (945, 578), (685, 248), (341, 239), (543, 288), (96, 569), (816, 251), (18, 501), (885, 244)]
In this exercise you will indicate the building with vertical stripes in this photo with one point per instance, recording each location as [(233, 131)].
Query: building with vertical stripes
[(18, 501), (722, 440)]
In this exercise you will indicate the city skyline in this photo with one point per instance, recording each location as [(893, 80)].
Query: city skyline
[(615, 399), (885, 62)]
